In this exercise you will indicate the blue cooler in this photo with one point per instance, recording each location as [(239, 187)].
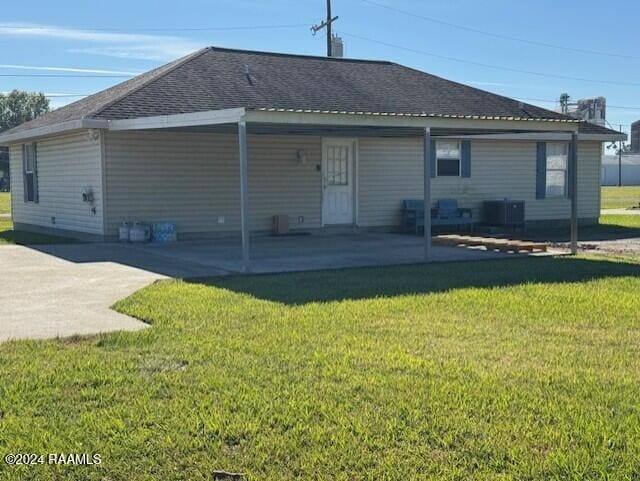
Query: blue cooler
[(163, 232)]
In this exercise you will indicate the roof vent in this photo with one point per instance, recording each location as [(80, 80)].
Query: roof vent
[(247, 73)]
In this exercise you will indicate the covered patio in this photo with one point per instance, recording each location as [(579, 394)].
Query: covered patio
[(251, 253)]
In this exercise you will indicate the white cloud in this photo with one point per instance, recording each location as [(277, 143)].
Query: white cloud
[(489, 84), (116, 44), (68, 69), (54, 94)]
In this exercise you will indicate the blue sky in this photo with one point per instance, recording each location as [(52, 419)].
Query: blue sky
[(49, 37)]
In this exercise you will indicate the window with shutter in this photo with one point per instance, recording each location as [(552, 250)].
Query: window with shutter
[(29, 159), (447, 158), (557, 167)]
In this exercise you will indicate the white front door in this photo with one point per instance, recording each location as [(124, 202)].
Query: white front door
[(337, 182)]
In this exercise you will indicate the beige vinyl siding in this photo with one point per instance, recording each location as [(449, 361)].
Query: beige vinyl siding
[(390, 170), (193, 179), (66, 165)]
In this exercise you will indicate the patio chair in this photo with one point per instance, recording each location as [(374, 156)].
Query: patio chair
[(446, 213)]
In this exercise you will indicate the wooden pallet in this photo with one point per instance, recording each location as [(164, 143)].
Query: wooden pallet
[(490, 243)]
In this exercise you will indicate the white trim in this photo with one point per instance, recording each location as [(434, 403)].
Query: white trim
[(210, 117), (539, 136), (103, 177), (356, 182), (7, 139)]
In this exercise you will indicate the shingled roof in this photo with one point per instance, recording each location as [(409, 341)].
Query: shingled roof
[(219, 78)]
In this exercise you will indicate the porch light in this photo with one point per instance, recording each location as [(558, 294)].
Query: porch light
[(302, 156)]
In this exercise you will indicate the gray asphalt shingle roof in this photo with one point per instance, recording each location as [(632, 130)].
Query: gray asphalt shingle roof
[(215, 78)]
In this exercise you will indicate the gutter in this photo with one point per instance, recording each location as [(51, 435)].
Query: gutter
[(81, 124)]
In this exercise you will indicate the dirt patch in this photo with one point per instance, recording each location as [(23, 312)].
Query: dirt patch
[(629, 246)]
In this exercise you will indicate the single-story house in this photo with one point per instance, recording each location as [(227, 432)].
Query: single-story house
[(222, 140)]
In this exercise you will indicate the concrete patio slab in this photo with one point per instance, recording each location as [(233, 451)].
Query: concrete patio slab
[(301, 253)]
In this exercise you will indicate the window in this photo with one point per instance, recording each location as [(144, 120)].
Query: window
[(557, 162), (447, 158), (30, 163), (337, 166)]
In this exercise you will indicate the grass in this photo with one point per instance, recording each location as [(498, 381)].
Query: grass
[(10, 236), (620, 197), (5, 202), (522, 369), (611, 222)]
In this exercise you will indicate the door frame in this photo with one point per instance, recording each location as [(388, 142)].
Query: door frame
[(354, 161)]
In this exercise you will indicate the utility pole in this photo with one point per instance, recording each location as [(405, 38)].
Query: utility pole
[(620, 160), (329, 49), (326, 24)]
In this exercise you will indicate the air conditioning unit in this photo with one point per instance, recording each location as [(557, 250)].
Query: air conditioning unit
[(503, 213)]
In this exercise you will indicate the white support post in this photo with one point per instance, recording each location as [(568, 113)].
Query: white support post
[(427, 194), (574, 192), (244, 196)]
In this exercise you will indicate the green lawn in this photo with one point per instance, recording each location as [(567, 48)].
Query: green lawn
[(613, 221), (5, 203), (519, 369), (620, 197), (10, 236)]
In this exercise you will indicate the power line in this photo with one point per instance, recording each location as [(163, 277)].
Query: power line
[(501, 36), (162, 29), (486, 65), (555, 101)]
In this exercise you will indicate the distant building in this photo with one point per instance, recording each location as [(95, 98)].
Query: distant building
[(635, 137), (591, 110), (337, 47), (630, 169)]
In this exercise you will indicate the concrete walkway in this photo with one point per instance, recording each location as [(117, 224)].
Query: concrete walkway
[(45, 296), (67, 289)]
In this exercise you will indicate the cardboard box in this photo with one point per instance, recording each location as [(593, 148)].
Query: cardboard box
[(280, 224)]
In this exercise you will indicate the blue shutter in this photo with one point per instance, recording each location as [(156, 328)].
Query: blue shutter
[(432, 158), (541, 170), (24, 172), (36, 197), (465, 161)]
